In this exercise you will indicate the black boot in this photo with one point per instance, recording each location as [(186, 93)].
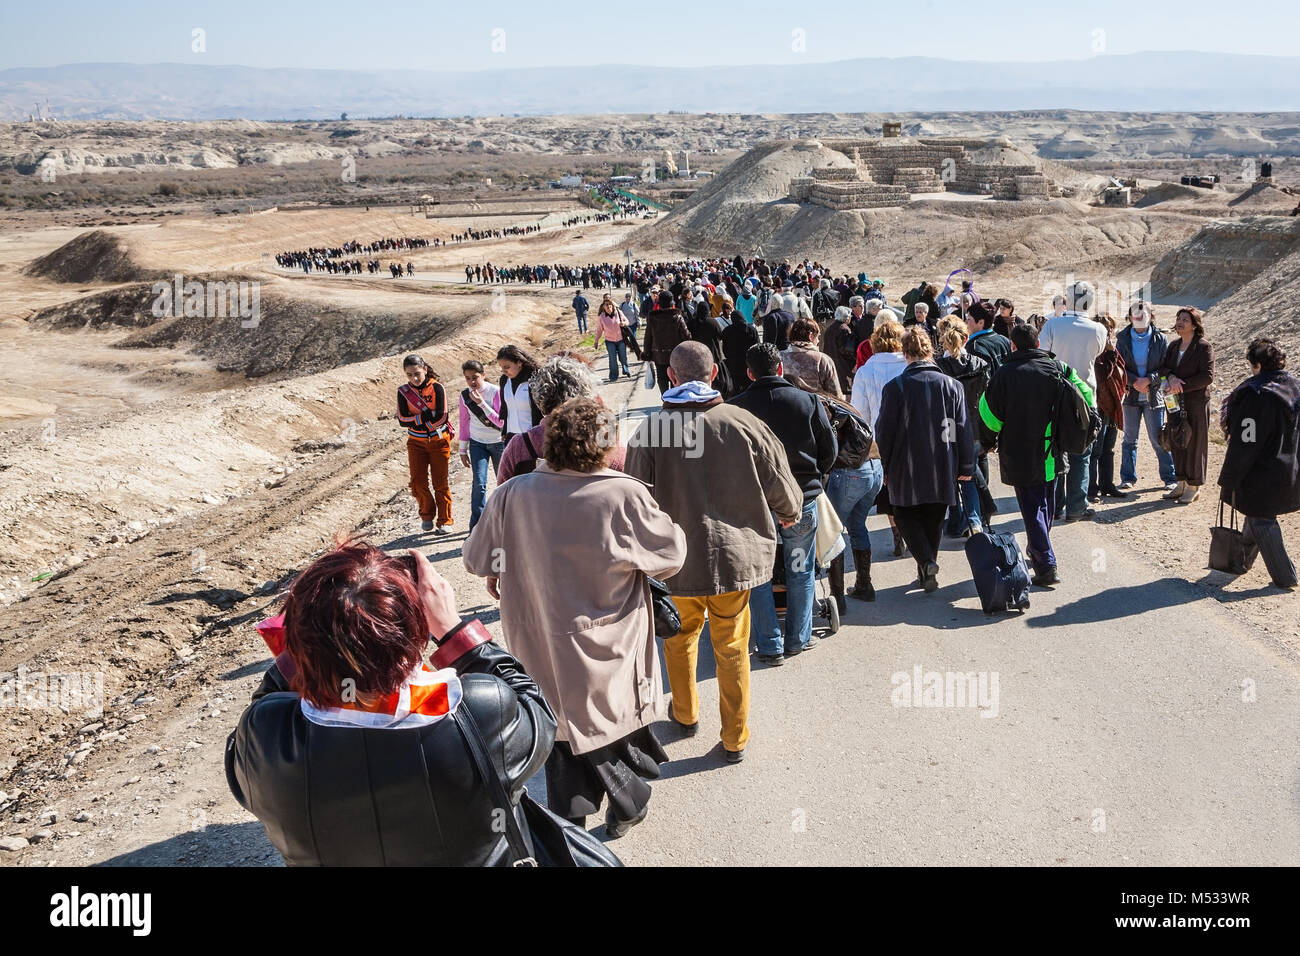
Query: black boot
[(835, 574), (862, 589), (898, 542)]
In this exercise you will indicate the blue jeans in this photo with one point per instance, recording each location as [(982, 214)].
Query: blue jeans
[(852, 493), (582, 321), (800, 544), (479, 453), (1154, 416), (617, 356), (1076, 482)]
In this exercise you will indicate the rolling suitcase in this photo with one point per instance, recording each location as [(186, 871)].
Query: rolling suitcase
[(999, 569)]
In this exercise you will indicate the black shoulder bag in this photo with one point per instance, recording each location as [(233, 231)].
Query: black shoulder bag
[(556, 841), (668, 622), (1228, 551), (474, 409)]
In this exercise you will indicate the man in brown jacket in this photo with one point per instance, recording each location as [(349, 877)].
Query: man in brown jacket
[(720, 473)]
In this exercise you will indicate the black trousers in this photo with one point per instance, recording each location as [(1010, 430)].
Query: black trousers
[(1263, 536), (1103, 460), (921, 527), (662, 372), (988, 504)]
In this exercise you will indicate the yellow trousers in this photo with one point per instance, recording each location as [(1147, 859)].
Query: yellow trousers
[(728, 616)]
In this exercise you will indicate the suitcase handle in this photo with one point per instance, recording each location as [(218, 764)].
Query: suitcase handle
[(1232, 509)]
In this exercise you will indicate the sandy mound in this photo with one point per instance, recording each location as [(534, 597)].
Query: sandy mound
[(1170, 192), (1223, 255), (748, 203), (95, 256), (1265, 197), (1267, 305)]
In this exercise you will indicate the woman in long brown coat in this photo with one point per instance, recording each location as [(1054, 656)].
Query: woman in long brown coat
[(1189, 368), (566, 549)]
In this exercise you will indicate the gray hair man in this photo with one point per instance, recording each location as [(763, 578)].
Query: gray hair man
[(1074, 338), (720, 474)]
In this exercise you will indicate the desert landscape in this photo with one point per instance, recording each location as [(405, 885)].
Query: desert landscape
[(163, 477)]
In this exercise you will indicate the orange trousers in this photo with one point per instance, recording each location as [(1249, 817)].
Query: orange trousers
[(728, 616), (429, 459)]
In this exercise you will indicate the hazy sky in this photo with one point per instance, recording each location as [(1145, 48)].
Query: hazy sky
[(354, 34)]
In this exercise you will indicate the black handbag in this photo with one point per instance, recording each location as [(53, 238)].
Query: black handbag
[(1176, 433), (668, 622), (1228, 549), (853, 434), (555, 841), (630, 338)]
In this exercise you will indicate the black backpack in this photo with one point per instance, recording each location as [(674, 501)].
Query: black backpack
[(824, 303), (848, 347), (852, 432), (1074, 422)]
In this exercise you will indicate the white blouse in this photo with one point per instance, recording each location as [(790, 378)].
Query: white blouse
[(519, 416)]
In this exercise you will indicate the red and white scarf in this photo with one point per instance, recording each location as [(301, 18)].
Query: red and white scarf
[(425, 697)]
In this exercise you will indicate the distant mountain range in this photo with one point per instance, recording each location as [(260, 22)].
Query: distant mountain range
[(1135, 82)]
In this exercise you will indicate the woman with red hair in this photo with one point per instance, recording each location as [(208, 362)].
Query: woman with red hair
[(351, 753)]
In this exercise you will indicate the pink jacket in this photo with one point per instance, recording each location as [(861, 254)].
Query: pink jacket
[(609, 328)]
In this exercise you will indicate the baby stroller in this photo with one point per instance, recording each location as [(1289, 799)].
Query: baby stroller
[(824, 606)]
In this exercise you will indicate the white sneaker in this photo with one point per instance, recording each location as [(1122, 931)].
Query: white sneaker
[(1127, 485), (1173, 485)]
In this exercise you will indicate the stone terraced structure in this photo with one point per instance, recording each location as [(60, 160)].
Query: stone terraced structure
[(889, 171)]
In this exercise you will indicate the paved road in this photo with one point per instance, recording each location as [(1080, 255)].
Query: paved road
[(1137, 722)]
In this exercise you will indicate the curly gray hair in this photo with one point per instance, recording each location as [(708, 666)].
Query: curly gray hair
[(559, 380)]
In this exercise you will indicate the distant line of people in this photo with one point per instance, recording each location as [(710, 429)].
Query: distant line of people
[(591, 276)]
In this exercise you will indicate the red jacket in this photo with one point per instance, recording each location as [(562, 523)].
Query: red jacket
[(1112, 385)]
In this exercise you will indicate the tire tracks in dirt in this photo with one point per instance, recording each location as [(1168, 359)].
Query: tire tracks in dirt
[(156, 563)]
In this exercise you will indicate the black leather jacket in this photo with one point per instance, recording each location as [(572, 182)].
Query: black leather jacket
[(350, 796)]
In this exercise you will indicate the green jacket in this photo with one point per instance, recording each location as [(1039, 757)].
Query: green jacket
[(1015, 415)]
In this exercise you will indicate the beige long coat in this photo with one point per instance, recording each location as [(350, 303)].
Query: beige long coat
[(572, 551)]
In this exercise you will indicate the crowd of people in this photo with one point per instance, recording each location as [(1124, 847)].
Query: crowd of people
[(593, 275), (794, 415), (474, 235), (627, 207), (327, 258)]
